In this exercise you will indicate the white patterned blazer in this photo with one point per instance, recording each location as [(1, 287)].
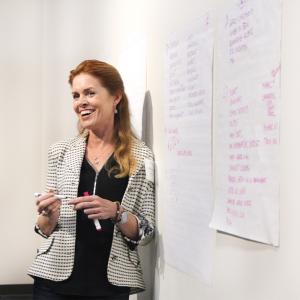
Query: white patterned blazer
[(55, 257)]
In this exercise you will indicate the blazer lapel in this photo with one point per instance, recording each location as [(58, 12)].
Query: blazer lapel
[(75, 155)]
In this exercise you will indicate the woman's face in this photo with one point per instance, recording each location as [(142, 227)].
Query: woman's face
[(93, 103)]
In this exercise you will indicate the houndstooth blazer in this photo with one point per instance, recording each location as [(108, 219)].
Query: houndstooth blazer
[(55, 257)]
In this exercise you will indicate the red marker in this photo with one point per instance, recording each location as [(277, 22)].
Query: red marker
[(96, 221)]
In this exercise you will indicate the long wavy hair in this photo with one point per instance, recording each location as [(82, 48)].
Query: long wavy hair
[(110, 78)]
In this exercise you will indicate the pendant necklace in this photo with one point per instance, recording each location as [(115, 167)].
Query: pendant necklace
[(96, 161)]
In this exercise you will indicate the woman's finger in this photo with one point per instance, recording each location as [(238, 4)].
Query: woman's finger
[(53, 206), (81, 200), (84, 205), (84, 199), (97, 216), (89, 211), (43, 205), (44, 197)]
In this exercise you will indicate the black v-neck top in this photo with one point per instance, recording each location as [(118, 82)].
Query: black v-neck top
[(92, 249)]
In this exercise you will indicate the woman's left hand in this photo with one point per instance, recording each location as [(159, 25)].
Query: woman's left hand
[(95, 207)]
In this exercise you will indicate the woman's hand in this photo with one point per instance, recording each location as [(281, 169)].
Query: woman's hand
[(48, 205), (95, 207)]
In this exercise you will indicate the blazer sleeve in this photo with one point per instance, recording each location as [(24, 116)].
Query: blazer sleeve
[(146, 213), (51, 179)]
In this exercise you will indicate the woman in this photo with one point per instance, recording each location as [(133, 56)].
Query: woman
[(102, 177)]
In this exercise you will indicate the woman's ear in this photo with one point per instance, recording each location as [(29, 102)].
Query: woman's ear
[(118, 98)]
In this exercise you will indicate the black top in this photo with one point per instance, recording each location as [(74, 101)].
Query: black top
[(92, 249)]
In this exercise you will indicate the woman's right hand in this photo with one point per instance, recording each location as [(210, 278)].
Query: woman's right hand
[(48, 207)]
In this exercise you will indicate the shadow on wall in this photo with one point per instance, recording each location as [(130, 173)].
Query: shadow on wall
[(147, 121), (148, 253)]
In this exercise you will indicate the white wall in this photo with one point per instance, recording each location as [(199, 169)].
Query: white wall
[(20, 153), (52, 43)]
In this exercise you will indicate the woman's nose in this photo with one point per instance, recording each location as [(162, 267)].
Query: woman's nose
[(83, 101)]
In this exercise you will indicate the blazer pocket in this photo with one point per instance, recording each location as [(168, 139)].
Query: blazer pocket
[(46, 246), (134, 257)]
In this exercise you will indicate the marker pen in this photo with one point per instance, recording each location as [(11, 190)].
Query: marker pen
[(37, 194), (58, 196), (96, 221)]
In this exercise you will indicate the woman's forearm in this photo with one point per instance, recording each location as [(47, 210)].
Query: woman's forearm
[(130, 229), (46, 224)]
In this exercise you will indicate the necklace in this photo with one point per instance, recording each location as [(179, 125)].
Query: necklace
[(96, 161), (99, 159)]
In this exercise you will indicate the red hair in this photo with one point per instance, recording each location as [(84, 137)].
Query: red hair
[(110, 78)]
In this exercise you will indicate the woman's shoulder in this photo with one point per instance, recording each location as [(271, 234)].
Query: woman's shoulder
[(141, 150), (58, 146)]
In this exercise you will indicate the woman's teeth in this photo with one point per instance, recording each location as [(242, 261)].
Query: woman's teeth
[(86, 112)]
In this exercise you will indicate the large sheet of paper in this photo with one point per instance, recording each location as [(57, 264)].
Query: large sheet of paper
[(188, 240), (247, 122)]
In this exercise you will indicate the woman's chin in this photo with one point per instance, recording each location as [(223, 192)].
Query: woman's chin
[(88, 125), (85, 121)]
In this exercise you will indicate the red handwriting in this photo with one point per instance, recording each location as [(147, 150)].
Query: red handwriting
[(233, 123), (270, 126), (235, 134), (239, 168), (248, 180), (239, 111), (235, 213), (185, 152), (236, 190), (245, 144), (276, 71), (269, 100), (271, 141), (239, 202), (240, 30), (238, 156)]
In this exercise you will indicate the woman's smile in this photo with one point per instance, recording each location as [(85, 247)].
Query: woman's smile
[(93, 103), (85, 114)]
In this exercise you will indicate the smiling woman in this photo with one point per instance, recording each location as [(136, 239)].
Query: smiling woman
[(93, 103), (105, 173), (102, 81)]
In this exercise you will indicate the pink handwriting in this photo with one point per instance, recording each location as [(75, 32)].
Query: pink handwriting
[(239, 202), (244, 144), (268, 84), (184, 153), (172, 130), (236, 100), (236, 191), (270, 126), (271, 141), (269, 101), (248, 180), (236, 134), (238, 157), (238, 111), (239, 168), (233, 123), (235, 213), (276, 71)]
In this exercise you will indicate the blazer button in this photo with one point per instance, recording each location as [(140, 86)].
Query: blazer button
[(113, 257), (130, 189)]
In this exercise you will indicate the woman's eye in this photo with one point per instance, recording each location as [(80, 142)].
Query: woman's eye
[(75, 96), (90, 94)]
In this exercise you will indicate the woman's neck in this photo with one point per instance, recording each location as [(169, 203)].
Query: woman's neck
[(96, 140)]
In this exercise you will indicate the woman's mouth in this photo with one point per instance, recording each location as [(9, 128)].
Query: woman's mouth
[(86, 113)]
